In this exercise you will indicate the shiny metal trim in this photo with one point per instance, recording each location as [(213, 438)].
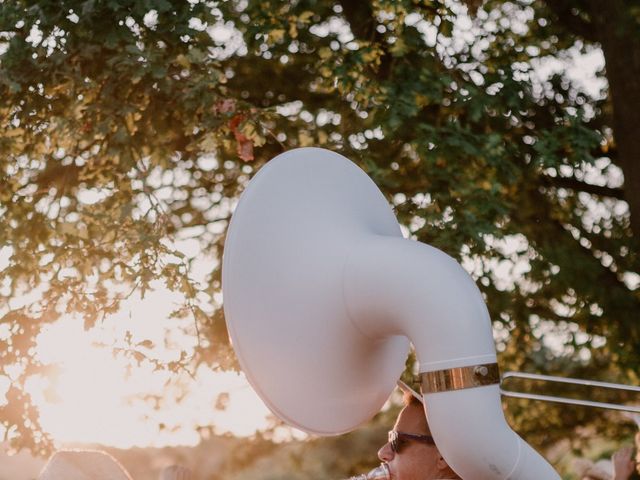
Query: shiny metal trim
[(459, 378), (570, 401)]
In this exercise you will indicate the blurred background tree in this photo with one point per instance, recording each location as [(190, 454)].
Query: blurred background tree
[(127, 126)]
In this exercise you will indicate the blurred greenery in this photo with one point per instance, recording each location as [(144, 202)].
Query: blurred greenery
[(127, 126)]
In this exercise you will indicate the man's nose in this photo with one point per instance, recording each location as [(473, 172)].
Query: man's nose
[(385, 454)]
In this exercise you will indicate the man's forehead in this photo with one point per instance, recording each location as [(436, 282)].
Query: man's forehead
[(412, 419)]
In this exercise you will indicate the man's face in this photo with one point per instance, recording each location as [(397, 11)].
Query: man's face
[(416, 460)]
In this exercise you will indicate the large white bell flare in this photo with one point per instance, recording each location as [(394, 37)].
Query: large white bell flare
[(321, 295), (297, 222)]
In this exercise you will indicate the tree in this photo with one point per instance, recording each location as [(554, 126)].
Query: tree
[(127, 125)]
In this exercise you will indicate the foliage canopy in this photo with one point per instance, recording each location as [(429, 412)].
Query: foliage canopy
[(127, 125)]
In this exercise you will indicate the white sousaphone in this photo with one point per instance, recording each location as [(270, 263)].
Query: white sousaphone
[(322, 295)]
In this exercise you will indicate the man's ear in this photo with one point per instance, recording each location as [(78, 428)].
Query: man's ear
[(443, 467)]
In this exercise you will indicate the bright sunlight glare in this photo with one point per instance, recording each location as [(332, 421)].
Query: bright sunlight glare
[(112, 399)]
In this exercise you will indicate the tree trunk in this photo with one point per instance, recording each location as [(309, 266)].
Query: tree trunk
[(619, 35)]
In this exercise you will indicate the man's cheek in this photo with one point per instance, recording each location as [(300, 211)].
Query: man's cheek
[(396, 469)]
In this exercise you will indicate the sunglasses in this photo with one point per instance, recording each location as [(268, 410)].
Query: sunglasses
[(398, 439)]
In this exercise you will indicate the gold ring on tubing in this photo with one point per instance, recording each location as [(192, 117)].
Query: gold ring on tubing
[(459, 378), (488, 374)]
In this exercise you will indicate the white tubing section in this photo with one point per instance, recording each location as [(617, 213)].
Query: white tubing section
[(393, 286)]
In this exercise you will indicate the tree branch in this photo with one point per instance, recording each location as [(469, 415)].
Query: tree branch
[(564, 10), (574, 184), (363, 24), (360, 17)]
